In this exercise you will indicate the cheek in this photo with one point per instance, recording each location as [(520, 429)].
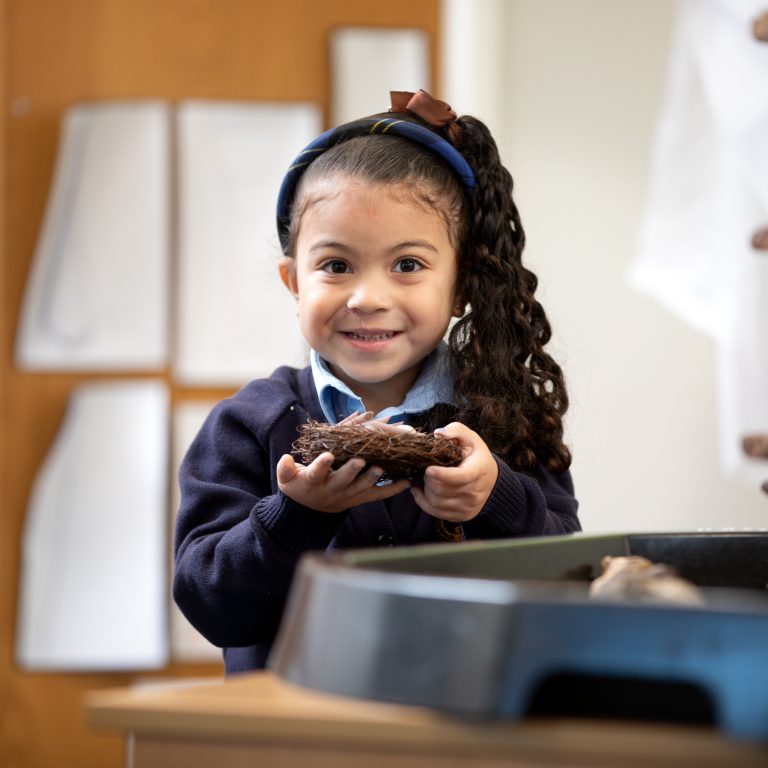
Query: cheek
[(314, 302), (309, 323), (451, 289)]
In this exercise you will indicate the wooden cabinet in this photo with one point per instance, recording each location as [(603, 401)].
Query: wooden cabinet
[(54, 53)]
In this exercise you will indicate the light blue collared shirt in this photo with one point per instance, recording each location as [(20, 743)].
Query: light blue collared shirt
[(433, 385)]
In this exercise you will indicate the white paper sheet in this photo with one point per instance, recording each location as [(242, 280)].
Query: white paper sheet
[(368, 63), (708, 194), (187, 644), (236, 321), (97, 295), (93, 585)]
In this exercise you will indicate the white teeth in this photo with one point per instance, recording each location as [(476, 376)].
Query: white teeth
[(379, 337)]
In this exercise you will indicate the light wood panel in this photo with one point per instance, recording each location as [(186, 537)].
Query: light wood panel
[(54, 53)]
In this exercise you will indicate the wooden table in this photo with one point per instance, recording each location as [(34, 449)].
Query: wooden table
[(259, 720)]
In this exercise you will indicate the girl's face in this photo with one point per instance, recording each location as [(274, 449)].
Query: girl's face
[(374, 276)]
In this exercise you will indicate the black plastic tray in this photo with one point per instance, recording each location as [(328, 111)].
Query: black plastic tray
[(507, 629)]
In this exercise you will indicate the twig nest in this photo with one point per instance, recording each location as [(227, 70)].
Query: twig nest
[(400, 454)]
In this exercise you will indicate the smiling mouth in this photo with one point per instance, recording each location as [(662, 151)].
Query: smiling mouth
[(381, 336)]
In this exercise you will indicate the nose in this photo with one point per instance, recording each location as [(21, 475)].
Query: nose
[(370, 293)]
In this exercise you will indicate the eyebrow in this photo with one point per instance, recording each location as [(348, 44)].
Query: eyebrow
[(320, 244)]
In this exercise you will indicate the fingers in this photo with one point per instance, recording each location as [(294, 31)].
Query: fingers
[(349, 479), (346, 474), (381, 492), (289, 473), (319, 469), (459, 433), (453, 430), (362, 481), (383, 426), (446, 476), (356, 418), (447, 507), (453, 508), (421, 499), (459, 493)]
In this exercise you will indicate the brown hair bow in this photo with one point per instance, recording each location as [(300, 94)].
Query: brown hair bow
[(432, 111)]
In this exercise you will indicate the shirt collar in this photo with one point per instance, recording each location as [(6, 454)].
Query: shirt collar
[(433, 385)]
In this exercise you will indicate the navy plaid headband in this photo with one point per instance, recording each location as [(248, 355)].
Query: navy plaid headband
[(393, 124)]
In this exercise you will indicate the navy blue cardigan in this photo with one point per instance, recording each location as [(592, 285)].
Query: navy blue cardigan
[(239, 538)]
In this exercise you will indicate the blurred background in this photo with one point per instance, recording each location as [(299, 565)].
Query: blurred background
[(575, 94)]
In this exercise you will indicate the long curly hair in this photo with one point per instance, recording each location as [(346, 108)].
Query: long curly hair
[(507, 387)]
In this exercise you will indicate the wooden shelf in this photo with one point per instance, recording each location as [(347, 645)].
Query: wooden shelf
[(258, 716)]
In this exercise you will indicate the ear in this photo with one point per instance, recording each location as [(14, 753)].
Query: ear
[(459, 297), (459, 305), (287, 268)]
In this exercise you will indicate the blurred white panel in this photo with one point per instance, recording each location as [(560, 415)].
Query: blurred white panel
[(475, 37), (368, 63), (236, 321), (97, 295), (93, 588), (187, 644), (708, 193)]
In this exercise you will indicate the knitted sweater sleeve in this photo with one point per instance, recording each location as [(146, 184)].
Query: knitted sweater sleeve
[(520, 505), (238, 538)]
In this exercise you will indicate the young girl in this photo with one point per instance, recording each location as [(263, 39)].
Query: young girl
[(391, 227)]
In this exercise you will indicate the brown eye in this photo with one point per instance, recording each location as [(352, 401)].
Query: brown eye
[(407, 265), (336, 267)]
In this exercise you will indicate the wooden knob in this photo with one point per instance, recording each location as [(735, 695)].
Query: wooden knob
[(760, 240), (756, 445), (760, 27)]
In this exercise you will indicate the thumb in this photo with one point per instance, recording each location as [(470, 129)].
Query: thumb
[(286, 469)]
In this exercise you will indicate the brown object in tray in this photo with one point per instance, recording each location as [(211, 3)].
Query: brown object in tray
[(636, 579), (400, 454)]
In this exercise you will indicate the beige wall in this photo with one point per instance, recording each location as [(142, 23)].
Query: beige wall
[(581, 88)]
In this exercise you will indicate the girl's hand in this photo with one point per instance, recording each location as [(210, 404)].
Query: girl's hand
[(382, 424), (319, 487), (459, 493)]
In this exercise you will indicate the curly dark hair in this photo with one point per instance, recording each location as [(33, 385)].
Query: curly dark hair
[(507, 388), (519, 406)]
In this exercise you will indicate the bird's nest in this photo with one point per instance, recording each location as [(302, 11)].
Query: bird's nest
[(400, 454)]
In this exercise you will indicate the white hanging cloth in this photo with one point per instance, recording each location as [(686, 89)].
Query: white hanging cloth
[(707, 196)]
